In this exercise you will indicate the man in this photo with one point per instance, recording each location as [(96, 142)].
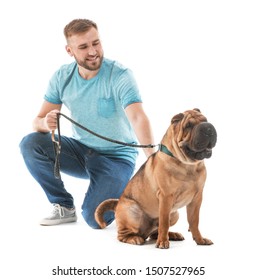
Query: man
[(102, 95)]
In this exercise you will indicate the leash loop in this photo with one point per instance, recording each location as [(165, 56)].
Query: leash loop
[(57, 148)]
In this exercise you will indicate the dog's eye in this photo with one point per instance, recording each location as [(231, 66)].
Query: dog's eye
[(189, 125)]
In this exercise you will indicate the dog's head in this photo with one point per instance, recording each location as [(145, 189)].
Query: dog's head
[(190, 136)]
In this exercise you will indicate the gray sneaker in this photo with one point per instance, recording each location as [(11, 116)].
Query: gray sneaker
[(60, 215)]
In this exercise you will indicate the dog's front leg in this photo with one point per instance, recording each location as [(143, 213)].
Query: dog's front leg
[(165, 206), (193, 210)]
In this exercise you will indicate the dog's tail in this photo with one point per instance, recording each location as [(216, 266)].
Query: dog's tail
[(106, 205)]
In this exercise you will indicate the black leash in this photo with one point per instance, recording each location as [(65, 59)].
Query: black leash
[(100, 136), (57, 143)]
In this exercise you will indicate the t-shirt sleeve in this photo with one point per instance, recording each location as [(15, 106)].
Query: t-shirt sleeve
[(52, 94), (127, 88)]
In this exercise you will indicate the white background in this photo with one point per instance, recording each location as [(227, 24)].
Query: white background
[(184, 54)]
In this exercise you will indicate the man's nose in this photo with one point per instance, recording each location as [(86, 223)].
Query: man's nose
[(92, 50)]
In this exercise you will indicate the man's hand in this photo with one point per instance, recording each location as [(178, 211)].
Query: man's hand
[(50, 120)]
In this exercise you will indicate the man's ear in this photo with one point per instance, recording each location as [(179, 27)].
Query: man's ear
[(68, 49)]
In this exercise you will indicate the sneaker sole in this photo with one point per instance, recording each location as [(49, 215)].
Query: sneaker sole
[(58, 222)]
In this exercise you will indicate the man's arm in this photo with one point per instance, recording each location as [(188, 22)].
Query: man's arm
[(141, 126), (46, 120)]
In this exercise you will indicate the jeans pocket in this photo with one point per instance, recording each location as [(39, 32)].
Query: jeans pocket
[(106, 107)]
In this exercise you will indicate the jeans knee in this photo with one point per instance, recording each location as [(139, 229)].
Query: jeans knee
[(26, 146), (90, 220), (31, 141)]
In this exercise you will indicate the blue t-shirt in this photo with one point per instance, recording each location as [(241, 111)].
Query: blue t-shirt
[(98, 104)]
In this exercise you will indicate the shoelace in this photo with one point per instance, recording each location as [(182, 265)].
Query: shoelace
[(58, 209)]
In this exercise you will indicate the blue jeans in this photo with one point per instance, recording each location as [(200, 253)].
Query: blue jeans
[(108, 176)]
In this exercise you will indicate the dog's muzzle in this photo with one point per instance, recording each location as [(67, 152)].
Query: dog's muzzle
[(203, 139)]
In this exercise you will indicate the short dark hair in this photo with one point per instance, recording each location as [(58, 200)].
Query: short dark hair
[(77, 26)]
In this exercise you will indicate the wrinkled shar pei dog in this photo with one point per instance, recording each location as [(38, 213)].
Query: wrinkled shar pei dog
[(171, 178)]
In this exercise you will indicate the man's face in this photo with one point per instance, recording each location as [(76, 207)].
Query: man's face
[(86, 49)]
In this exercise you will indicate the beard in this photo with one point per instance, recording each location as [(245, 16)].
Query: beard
[(90, 65)]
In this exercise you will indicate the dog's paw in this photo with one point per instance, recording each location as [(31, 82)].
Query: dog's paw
[(204, 241), (163, 244), (175, 236), (134, 240)]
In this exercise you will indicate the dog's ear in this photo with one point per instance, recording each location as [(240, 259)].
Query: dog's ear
[(196, 109), (177, 118)]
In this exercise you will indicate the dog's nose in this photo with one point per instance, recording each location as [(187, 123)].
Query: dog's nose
[(205, 136), (207, 128), (212, 134), (209, 131)]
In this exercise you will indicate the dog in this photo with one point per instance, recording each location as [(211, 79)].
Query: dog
[(171, 178)]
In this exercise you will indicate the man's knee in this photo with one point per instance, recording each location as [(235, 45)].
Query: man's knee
[(90, 220), (31, 142)]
